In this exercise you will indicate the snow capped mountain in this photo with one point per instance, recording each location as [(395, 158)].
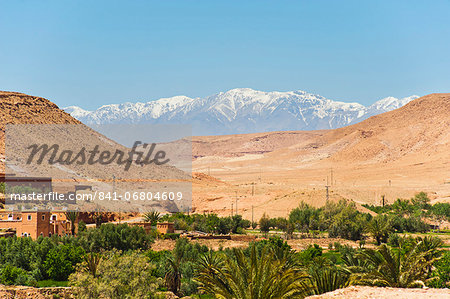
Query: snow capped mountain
[(241, 110)]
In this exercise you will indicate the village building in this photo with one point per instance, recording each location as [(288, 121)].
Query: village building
[(165, 227), (35, 223)]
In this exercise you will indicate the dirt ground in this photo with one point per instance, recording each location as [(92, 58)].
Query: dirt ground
[(362, 292), (297, 244)]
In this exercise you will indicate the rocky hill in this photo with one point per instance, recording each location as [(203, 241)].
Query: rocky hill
[(19, 108), (394, 154)]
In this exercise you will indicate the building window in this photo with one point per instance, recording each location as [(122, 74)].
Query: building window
[(54, 217), (29, 217), (43, 217), (41, 234)]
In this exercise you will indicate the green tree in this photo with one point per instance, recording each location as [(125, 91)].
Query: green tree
[(264, 223), (395, 268), (72, 217), (115, 236), (61, 260), (327, 278), (421, 201), (92, 260), (82, 226), (256, 276), (344, 220), (304, 217), (380, 227), (119, 275), (153, 217)]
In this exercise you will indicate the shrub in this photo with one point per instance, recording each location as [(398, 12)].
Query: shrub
[(264, 223), (12, 275), (118, 276), (171, 236), (61, 261), (112, 236), (82, 226), (305, 217)]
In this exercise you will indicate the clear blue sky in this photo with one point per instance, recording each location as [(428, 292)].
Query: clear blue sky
[(90, 53)]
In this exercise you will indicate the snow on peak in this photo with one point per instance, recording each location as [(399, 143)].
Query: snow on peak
[(241, 110), (391, 103)]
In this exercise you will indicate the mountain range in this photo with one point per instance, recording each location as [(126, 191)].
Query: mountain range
[(241, 110)]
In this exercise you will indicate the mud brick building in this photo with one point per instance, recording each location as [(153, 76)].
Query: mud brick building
[(34, 223)]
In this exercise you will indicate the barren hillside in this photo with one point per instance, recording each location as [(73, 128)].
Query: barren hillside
[(395, 154), (17, 108)]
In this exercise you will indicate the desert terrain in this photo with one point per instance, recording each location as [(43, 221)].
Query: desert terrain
[(395, 155)]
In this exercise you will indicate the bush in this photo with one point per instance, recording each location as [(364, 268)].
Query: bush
[(264, 223), (442, 272), (12, 275), (115, 236), (61, 261), (344, 220), (394, 240), (305, 217), (171, 236), (310, 253), (118, 276), (82, 226)]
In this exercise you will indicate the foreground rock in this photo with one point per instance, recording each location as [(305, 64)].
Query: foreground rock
[(10, 292), (359, 292)]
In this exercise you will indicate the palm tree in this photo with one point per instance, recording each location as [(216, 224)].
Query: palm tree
[(380, 227), (92, 260), (152, 217), (257, 276), (328, 279), (72, 217), (392, 267), (173, 275), (431, 248)]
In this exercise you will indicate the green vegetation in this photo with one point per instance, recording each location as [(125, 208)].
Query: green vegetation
[(208, 223), (2, 187), (127, 275), (52, 283), (153, 217), (116, 261), (263, 275), (408, 214), (24, 261)]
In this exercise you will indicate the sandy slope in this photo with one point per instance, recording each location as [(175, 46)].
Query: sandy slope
[(360, 292), (395, 154)]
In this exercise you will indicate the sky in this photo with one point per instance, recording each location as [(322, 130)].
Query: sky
[(92, 53)]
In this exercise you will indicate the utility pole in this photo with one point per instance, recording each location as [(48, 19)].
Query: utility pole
[(252, 214), (382, 199), (331, 178), (253, 188), (236, 203), (328, 196)]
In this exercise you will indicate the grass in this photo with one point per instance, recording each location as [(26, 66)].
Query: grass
[(52, 283)]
